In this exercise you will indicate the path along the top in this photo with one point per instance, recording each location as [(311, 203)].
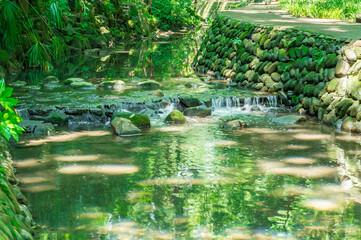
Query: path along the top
[(271, 15)]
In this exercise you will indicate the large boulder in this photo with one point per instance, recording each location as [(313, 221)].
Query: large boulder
[(175, 117), (124, 127), (198, 112), (139, 120), (289, 119), (150, 84)]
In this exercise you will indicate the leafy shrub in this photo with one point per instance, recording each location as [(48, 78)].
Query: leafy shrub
[(330, 9), (174, 14), (9, 119)]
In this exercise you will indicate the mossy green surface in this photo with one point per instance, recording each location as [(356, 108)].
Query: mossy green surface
[(139, 120), (175, 117)]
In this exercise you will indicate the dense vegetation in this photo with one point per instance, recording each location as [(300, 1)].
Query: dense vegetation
[(43, 33), (330, 9)]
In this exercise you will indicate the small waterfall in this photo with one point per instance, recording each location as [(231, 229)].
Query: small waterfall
[(248, 104)]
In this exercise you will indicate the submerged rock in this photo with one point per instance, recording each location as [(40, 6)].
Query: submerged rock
[(289, 119), (124, 127), (175, 117), (139, 120), (150, 84), (198, 112), (113, 84)]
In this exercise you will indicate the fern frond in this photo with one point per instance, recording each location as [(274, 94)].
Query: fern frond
[(56, 15), (9, 13)]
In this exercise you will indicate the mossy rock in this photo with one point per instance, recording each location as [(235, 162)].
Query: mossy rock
[(342, 107), (150, 84), (331, 60), (333, 85), (175, 117), (139, 120), (58, 118), (124, 127), (190, 101), (112, 84), (82, 85)]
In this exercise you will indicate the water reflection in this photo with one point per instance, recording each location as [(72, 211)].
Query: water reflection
[(199, 182)]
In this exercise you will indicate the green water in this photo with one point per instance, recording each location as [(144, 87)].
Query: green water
[(195, 181)]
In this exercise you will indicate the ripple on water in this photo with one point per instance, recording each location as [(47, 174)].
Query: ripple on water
[(100, 169)]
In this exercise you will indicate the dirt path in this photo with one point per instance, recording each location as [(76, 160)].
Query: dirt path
[(271, 15)]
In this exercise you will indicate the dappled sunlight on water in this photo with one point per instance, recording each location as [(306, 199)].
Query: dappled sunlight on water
[(102, 169), (65, 137), (78, 158), (194, 181)]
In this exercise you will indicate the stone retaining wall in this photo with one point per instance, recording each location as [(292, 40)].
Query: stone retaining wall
[(314, 73), (16, 221)]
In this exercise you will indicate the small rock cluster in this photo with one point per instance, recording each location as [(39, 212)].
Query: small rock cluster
[(315, 73)]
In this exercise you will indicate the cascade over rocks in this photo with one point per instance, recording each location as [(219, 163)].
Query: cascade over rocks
[(323, 73)]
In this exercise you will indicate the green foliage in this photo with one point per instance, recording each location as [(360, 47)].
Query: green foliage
[(330, 9), (9, 120), (9, 14), (39, 56), (173, 15)]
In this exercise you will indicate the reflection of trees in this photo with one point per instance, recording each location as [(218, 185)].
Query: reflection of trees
[(255, 201)]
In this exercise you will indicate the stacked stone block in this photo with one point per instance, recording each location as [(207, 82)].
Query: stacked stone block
[(316, 73)]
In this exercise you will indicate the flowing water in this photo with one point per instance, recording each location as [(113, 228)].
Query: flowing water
[(191, 181)]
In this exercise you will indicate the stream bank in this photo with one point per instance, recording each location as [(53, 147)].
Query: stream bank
[(16, 221), (314, 73)]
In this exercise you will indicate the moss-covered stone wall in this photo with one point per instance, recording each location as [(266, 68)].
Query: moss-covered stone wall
[(16, 221), (314, 73)]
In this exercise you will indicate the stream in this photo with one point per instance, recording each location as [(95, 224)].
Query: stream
[(191, 181)]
